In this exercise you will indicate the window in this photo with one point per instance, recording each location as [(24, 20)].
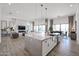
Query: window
[(29, 27), (56, 27), (39, 28), (64, 28), (36, 28), (61, 27)]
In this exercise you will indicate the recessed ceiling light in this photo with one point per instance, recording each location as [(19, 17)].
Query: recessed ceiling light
[(71, 5), (45, 8), (41, 5)]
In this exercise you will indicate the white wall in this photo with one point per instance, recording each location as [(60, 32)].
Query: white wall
[(39, 21), (77, 18), (60, 20), (0, 23), (21, 22), (9, 17)]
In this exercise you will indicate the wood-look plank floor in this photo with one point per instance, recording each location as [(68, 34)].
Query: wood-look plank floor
[(15, 47), (66, 47)]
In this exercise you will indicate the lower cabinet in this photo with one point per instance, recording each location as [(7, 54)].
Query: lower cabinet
[(48, 45), (40, 47)]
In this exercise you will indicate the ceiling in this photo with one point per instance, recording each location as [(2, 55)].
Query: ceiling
[(34, 11)]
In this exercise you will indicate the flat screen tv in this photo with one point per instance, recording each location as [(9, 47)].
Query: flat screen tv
[(21, 28)]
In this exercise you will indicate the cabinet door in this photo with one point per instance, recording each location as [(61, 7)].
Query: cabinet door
[(54, 41), (44, 47), (50, 44)]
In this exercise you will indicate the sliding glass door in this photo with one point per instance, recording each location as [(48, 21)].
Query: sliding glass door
[(61, 27), (64, 29)]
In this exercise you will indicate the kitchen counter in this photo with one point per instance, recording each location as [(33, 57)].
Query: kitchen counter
[(38, 44), (38, 36)]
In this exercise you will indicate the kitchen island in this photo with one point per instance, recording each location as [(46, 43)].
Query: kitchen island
[(39, 44)]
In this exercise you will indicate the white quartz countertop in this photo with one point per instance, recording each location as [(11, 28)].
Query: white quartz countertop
[(38, 36)]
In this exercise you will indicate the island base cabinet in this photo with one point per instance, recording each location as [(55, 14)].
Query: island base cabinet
[(33, 46), (48, 45), (40, 47)]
